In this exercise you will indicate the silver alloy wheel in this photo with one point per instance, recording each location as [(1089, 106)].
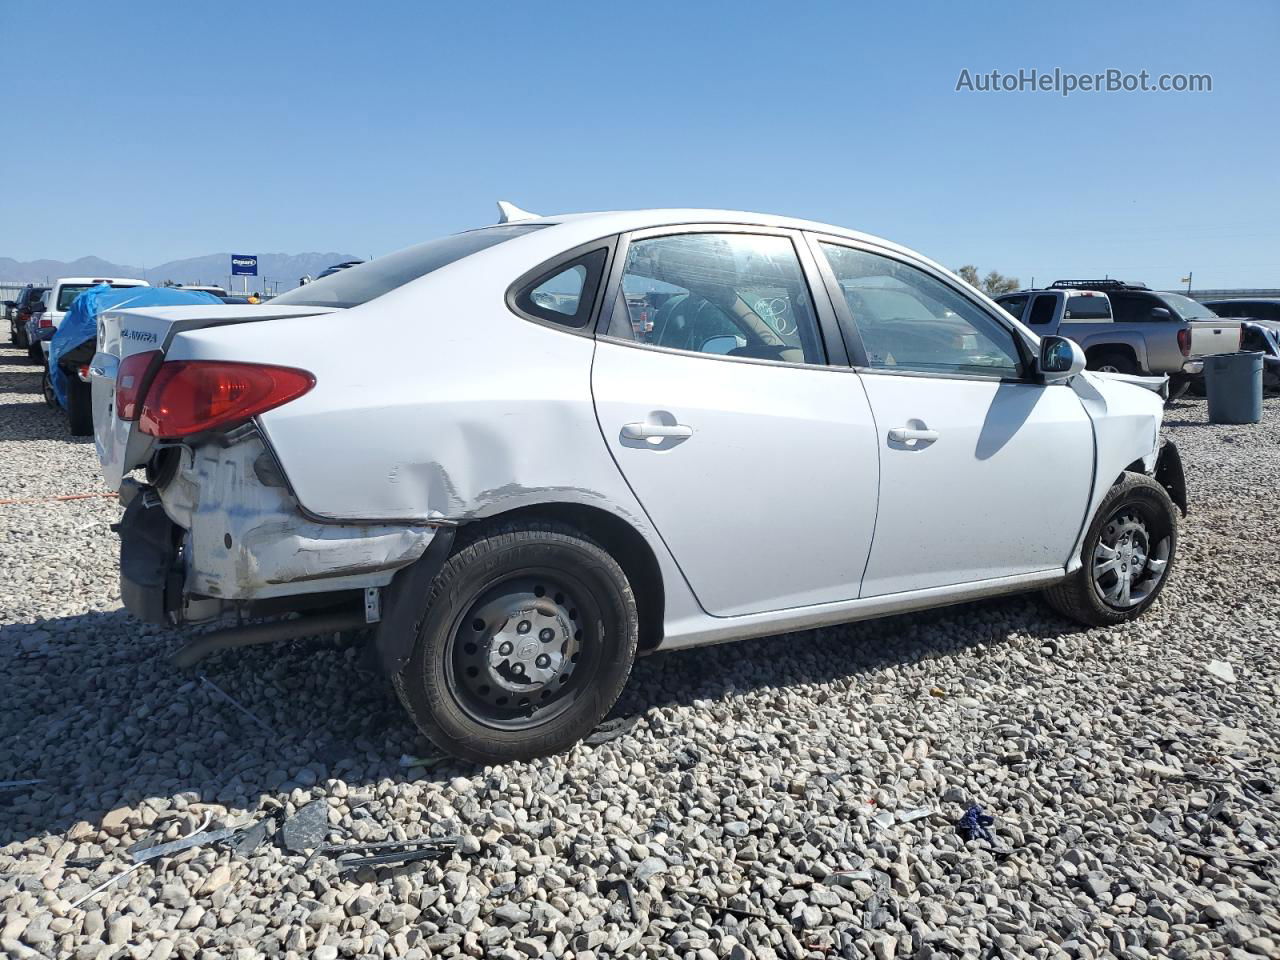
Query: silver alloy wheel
[(1126, 566), (1108, 368), (513, 654)]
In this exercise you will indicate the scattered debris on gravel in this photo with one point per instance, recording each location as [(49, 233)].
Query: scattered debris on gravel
[(796, 796)]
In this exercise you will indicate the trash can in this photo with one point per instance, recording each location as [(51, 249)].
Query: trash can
[(1233, 382)]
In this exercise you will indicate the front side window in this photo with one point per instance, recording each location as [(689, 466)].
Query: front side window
[(736, 295), (910, 321)]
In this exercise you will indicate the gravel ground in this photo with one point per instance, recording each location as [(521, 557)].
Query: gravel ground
[(792, 797)]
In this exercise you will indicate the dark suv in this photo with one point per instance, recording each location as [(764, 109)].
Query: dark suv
[(28, 300), (1134, 303)]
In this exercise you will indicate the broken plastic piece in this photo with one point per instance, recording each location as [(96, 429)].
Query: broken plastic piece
[(245, 710), (974, 825), (611, 730), (306, 829), (14, 784), (628, 894), (251, 838), (426, 763)]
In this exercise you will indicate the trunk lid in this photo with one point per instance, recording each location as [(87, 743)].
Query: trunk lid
[(123, 333)]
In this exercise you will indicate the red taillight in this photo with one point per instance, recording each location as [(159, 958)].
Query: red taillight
[(132, 381), (44, 323), (82, 372), (1184, 341), (192, 396)]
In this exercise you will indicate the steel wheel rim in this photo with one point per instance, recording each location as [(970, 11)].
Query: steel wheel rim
[(1108, 368), (1127, 566), (519, 654)]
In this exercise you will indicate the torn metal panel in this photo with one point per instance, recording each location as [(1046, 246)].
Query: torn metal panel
[(248, 539)]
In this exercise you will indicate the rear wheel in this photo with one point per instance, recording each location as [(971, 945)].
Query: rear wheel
[(1128, 553), (79, 406), (528, 638), (35, 352), (1113, 361)]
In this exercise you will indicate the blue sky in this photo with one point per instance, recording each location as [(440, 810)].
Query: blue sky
[(169, 130)]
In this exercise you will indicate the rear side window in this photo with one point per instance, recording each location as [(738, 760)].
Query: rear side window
[(734, 294), (1132, 308), (565, 293), (360, 284), (1042, 310), (1083, 309)]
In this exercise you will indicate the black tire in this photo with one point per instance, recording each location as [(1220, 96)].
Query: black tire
[(451, 710), (79, 406), (1116, 360), (18, 336), (35, 352), (1078, 597)]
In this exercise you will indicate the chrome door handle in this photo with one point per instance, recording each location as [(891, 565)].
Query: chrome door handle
[(906, 434), (645, 431)]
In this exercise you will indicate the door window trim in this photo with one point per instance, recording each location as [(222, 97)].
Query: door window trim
[(853, 338), (829, 343)]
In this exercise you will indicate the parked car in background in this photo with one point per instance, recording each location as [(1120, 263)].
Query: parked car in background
[(63, 293), (71, 349), (1083, 310), (1134, 303), (26, 301), (1247, 308), (219, 292), (518, 544), (38, 327)]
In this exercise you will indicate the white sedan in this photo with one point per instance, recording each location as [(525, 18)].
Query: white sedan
[(563, 441)]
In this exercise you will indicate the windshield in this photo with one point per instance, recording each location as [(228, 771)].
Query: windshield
[(360, 284), (1187, 308)]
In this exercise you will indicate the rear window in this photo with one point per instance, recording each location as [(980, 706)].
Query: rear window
[(68, 292), (1083, 309), (368, 281)]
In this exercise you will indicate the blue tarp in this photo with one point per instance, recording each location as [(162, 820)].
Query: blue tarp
[(81, 321)]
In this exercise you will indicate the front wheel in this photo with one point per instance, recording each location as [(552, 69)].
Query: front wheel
[(1128, 554), (529, 636)]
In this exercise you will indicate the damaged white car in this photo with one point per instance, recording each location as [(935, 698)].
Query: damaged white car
[(599, 435)]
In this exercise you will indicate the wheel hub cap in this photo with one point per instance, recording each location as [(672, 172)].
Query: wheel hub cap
[(1125, 567), (527, 651)]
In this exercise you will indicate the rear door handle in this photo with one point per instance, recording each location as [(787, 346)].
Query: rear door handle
[(646, 431), (906, 434)]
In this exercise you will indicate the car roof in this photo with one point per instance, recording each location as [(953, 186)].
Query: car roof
[(1226, 300), (583, 227)]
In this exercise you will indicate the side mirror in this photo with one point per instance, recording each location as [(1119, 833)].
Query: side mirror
[(1161, 313), (1060, 359)]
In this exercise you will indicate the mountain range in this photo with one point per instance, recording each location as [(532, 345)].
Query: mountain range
[(215, 268)]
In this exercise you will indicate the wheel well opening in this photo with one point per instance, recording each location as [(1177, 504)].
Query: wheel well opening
[(1095, 354), (623, 542)]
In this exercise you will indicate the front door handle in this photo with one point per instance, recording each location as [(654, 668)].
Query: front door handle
[(646, 431), (907, 434)]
